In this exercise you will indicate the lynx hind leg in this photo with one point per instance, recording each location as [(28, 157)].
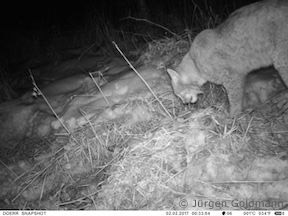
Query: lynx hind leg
[(280, 61), (235, 91), (283, 71), (250, 100)]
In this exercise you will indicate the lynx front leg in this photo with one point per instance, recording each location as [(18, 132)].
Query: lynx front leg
[(234, 88)]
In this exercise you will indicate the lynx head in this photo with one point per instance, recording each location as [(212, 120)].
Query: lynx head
[(185, 91)]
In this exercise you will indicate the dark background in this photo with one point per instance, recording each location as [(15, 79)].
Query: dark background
[(70, 15), (30, 26), (35, 34)]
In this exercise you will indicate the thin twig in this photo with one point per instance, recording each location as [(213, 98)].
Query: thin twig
[(42, 188), (144, 81), (8, 168), (105, 98), (85, 51), (248, 127), (47, 102)]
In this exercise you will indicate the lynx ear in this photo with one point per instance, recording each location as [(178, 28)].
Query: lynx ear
[(175, 77)]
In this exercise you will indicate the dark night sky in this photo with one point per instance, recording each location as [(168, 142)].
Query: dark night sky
[(40, 14), (32, 15), (25, 22)]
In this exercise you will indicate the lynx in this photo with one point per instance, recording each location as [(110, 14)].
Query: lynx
[(252, 37)]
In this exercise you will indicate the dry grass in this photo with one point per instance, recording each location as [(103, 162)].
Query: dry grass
[(156, 163)]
